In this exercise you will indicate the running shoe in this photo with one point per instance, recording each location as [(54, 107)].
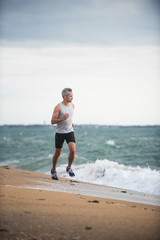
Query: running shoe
[(70, 171), (54, 175)]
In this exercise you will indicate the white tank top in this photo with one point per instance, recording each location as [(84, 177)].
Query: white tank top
[(66, 125)]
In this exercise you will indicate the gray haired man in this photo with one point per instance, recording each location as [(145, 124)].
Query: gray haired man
[(62, 116)]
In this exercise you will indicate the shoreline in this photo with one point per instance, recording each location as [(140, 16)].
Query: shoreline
[(69, 185), (33, 208)]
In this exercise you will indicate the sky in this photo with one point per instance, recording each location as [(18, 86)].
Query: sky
[(108, 52)]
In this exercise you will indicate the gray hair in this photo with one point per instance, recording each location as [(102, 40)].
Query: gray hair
[(66, 91)]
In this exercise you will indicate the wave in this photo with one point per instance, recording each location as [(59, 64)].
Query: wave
[(110, 142), (9, 163), (109, 173)]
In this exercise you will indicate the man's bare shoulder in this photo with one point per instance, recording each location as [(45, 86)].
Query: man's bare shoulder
[(57, 107), (73, 105)]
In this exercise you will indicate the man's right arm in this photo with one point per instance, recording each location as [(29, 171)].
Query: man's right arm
[(55, 115)]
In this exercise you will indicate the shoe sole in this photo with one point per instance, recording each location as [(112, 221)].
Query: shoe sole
[(55, 179)]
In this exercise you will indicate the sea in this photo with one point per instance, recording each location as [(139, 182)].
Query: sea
[(126, 157)]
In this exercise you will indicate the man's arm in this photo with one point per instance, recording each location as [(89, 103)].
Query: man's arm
[(55, 115), (73, 125)]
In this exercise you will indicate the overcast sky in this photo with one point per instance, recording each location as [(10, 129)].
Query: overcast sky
[(108, 52)]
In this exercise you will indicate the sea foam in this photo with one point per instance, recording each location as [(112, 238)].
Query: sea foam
[(109, 173), (110, 142)]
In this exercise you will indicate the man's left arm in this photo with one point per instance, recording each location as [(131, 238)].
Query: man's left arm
[(73, 125)]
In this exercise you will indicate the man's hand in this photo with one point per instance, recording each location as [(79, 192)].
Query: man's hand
[(66, 115), (56, 112)]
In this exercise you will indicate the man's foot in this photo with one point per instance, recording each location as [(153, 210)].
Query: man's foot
[(54, 175), (71, 173)]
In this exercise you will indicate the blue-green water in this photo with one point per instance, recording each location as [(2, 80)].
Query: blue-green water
[(127, 157)]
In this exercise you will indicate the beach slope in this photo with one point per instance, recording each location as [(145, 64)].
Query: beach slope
[(35, 207)]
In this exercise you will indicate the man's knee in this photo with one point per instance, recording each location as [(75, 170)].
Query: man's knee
[(72, 151), (72, 148), (58, 152)]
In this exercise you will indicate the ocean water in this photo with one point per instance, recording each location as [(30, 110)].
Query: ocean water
[(125, 157)]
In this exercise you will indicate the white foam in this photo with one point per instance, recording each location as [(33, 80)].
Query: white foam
[(109, 173), (110, 142), (4, 163)]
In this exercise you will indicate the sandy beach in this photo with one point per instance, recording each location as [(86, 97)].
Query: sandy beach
[(35, 207)]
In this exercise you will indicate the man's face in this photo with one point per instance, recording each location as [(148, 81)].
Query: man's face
[(69, 97)]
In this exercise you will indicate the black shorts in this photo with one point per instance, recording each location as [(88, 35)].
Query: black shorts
[(60, 137)]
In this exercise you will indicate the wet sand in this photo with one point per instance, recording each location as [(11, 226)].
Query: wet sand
[(33, 206)]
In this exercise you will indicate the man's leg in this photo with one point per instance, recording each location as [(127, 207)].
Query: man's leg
[(56, 158), (72, 150), (59, 139)]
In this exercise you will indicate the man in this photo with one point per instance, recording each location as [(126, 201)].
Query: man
[(62, 116)]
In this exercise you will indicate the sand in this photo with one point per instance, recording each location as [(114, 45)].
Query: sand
[(32, 208)]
